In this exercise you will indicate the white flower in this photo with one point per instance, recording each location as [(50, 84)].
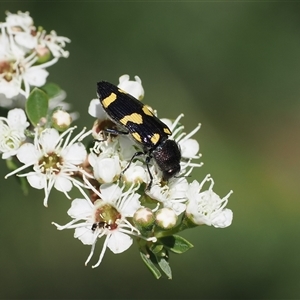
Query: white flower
[(10, 88), (189, 148), (24, 34), (12, 132), (20, 19), (26, 40), (105, 169), (135, 172), (96, 110), (106, 217), (111, 158), (21, 70), (54, 43), (54, 160), (35, 76), (21, 34), (134, 88), (14, 102), (207, 207), (172, 195), (25, 54)]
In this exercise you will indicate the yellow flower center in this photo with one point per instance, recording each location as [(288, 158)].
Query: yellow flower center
[(106, 216)]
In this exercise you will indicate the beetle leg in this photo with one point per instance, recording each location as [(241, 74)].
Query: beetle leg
[(148, 158), (115, 131), (138, 153)]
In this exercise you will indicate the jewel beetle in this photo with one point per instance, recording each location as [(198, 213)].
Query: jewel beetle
[(143, 126)]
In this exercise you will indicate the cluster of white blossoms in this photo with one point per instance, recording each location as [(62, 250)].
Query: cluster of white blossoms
[(121, 198), (121, 206), (25, 53)]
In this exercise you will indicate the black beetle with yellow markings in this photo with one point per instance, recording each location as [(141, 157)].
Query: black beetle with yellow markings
[(143, 126)]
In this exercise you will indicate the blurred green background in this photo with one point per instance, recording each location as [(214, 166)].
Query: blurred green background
[(234, 67)]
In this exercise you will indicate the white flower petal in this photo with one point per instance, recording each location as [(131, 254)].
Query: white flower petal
[(168, 122), (224, 219), (134, 88), (75, 154), (92, 159), (96, 110), (21, 19), (132, 205), (48, 140), (110, 192), (80, 208), (107, 169), (10, 88), (37, 181), (127, 148), (85, 235), (193, 189), (173, 195), (63, 184), (17, 119), (26, 40), (35, 76), (28, 154), (189, 148), (119, 242), (207, 207), (135, 173), (8, 154), (177, 207)]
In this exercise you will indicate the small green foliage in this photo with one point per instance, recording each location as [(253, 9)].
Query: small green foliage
[(176, 244), (51, 89), (36, 106), (150, 264), (165, 266), (156, 248), (157, 257)]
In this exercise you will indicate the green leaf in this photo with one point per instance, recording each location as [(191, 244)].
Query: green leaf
[(156, 248), (164, 265), (36, 106), (176, 243), (51, 89), (148, 262)]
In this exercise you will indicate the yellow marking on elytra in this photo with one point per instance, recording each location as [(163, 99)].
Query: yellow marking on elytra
[(155, 138), (122, 91), (147, 111), (109, 100), (134, 118), (167, 130), (136, 136)]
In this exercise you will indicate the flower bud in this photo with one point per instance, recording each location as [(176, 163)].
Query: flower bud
[(143, 218), (166, 218), (61, 120), (43, 54)]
